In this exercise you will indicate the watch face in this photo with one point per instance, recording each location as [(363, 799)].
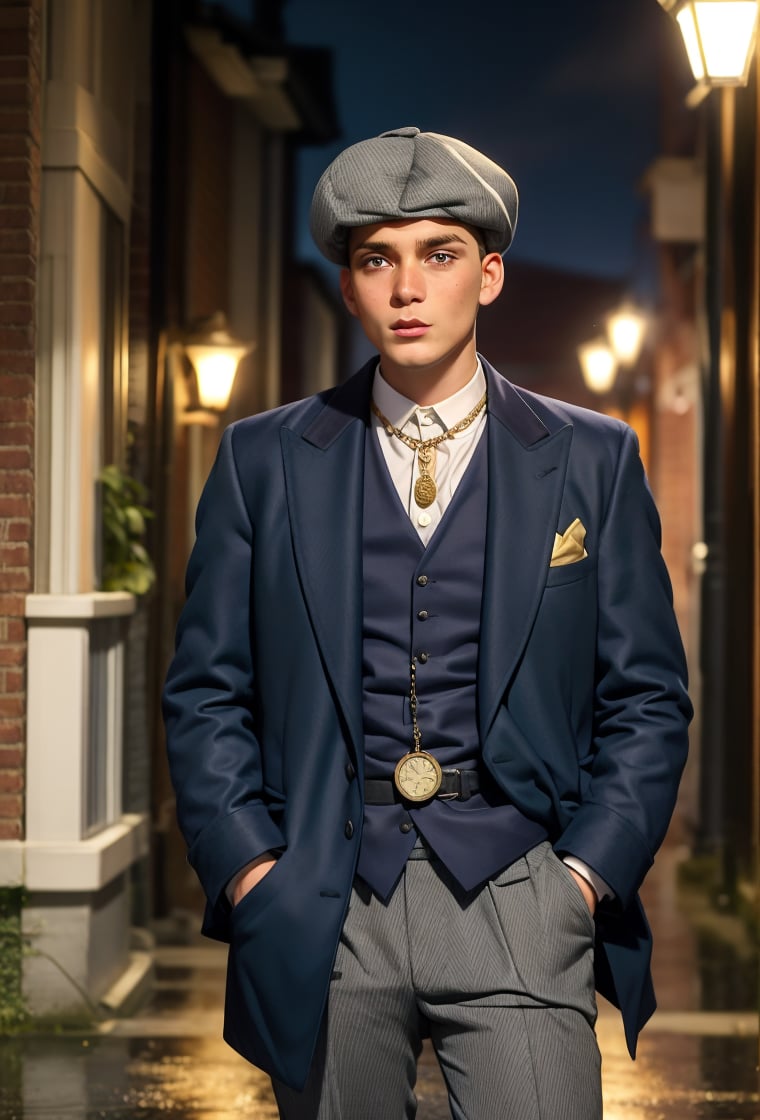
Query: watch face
[(418, 776)]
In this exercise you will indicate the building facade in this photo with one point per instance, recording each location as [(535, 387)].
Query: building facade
[(145, 185)]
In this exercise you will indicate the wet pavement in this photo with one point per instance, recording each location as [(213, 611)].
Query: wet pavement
[(697, 1059)]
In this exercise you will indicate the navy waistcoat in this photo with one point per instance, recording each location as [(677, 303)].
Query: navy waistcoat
[(424, 602)]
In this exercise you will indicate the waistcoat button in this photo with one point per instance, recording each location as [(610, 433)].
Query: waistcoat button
[(422, 615), (422, 657), (350, 771), (422, 581), (406, 826), (349, 829)]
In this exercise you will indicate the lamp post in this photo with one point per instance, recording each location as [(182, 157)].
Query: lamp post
[(720, 37), (214, 355)]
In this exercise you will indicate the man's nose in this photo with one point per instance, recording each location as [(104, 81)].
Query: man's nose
[(409, 283)]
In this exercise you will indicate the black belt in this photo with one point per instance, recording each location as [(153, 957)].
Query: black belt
[(456, 785)]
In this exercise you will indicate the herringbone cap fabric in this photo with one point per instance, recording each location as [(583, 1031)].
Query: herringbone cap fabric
[(406, 174)]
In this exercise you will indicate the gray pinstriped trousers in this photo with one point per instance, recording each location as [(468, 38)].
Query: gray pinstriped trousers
[(501, 978)]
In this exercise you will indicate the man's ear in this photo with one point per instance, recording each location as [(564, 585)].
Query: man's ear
[(347, 290), (492, 278)]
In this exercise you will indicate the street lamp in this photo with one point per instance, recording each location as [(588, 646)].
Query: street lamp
[(601, 358), (598, 365), (625, 331), (214, 355), (719, 36)]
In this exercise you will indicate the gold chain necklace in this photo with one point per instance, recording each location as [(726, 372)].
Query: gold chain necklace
[(425, 488)]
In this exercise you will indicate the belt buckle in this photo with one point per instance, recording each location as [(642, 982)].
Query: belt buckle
[(451, 796)]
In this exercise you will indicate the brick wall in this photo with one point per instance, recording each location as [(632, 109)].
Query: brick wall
[(20, 37), (676, 466)]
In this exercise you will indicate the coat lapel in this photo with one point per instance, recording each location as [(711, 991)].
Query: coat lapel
[(324, 479), (526, 472)]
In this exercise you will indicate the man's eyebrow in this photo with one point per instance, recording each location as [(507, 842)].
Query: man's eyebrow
[(441, 239), (426, 243), (375, 246)]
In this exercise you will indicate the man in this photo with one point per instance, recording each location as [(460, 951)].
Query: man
[(427, 714)]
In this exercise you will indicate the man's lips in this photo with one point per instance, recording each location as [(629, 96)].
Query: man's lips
[(409, 328)]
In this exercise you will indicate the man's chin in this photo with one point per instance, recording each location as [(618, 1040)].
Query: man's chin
[(415, 357), (416, 363)]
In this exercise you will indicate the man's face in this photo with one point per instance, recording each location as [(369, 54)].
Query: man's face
[(416, 287)]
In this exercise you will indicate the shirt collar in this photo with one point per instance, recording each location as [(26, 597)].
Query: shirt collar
[(399, 409)]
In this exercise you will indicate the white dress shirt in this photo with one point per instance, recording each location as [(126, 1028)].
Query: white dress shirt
[(426, 422)]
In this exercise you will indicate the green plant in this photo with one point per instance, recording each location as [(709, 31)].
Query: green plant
[(13, 1013), (126, 563)]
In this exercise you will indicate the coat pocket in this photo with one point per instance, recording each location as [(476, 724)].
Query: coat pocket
[(258, 898), (570, 573)]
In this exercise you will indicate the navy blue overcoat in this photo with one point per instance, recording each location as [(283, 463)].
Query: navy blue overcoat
[(582, 705)]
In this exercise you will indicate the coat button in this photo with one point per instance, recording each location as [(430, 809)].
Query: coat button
[(422, 658), (406, 826), (350, 771), (422, 615), (422, 581), (349, 830)]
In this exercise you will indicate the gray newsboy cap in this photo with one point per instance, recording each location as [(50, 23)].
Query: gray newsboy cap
[(406, 174)]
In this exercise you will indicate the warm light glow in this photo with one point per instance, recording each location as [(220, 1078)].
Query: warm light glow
[(215, 368), (598, 364), (719, 36), (215, 354), (625, 330), (688, 25)]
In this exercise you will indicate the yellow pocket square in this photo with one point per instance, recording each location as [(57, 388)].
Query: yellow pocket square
[(568, 546)]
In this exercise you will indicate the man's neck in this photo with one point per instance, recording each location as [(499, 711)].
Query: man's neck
[(429, 387)]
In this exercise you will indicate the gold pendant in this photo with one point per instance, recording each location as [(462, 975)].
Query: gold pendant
[(417, 776), (425, 491)]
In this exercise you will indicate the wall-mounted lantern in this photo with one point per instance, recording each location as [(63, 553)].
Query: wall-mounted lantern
[(719, 36), (214, 354), (208, 356)]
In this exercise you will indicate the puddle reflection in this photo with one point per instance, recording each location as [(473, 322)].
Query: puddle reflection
[(678, 1077), (126, 1079), (675, 1078)]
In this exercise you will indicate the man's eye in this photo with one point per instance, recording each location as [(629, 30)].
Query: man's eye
[(441, 258), (375, 262)]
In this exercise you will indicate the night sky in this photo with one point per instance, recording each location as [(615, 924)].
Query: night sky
[(563, 95)]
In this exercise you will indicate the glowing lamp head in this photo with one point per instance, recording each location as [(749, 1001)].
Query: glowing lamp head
[(598, 365), (215, 355), (719, 36), (625, 331), (215, 369)]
